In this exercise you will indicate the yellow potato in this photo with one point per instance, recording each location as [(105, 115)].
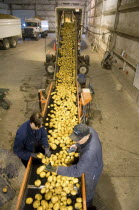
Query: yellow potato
[(38, 197), (54, 199), (43, 190), (48, 195), (37, 183), (36, 204), (69, 201), (42, 174), (73, 192), (79, 200), (78, 205), (29, 200)]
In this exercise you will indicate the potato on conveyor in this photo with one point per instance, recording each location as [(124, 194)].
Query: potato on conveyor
[(79, 200), (40, 155), (29, 200), (37, 183), (38, 197), (45, 204), (40, 169), (78, 205), (42, 174), (36, 204), (43, 190)]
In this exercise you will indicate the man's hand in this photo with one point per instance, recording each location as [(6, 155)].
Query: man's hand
[(73, 148), (51, 168), (47, 152), (34, 155)]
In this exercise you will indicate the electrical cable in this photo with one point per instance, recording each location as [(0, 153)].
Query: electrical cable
[(95, 32)]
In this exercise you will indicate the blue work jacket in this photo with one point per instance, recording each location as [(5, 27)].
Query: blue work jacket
[(26, 139), (90, 160)]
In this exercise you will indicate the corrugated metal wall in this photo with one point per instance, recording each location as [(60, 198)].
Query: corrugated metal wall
[(4, 8), (117, 22)]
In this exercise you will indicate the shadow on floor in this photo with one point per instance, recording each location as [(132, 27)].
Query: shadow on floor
[(51, 44), (83, 45), (109, 200)]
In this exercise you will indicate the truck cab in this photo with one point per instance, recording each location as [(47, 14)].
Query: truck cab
[(33, 28)]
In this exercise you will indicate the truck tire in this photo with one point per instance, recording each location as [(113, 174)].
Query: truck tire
[(83, 69), (6, 44), (87, 60), (13, 42), (37, 37), (50, 68), (48, 58)]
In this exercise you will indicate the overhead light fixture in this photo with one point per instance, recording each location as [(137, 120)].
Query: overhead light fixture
[(77, 10)]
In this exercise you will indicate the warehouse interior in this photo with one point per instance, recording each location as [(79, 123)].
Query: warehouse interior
[(111, 38)]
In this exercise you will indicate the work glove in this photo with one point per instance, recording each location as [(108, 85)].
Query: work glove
[(51, 168), (73, 148), (34, 155), (47, 152)]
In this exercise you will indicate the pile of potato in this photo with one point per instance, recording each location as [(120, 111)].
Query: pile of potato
[(56, 192), (63, 116)]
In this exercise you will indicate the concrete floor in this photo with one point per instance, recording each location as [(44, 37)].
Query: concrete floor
[(114, 116)]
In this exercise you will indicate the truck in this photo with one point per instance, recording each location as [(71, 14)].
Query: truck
[(35, 28), (10, 31), (64, 15)]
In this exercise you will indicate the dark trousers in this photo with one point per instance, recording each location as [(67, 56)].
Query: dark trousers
[(37, 150), (25, 162)]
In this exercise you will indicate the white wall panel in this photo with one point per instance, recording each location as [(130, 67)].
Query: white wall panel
[(132, 22), (109, 5), (108, 21), (92, 3), (97, 20)]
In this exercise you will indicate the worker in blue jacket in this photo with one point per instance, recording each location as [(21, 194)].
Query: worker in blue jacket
[(30, 138), (90, 160)]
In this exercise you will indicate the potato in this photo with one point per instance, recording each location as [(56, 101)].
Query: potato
[(58, 190), (63, 198), (47, 185), (42, 174), (51, 205), (48, 195), (79, 200), (78, 205), (40, 169), (69, 208), (38, 197), (44, 203), (73, 192), (47, 174), (75, 180), (54, 199), (56, 206), (43, 190), (40, 208), (69, 201), (50, 179), (29, 200), (5, 189), (63, 207), (37, 183), (40, 155), (36, 204)]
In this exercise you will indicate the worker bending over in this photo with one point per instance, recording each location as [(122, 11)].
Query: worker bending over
[(90, 159), (30, 138)]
